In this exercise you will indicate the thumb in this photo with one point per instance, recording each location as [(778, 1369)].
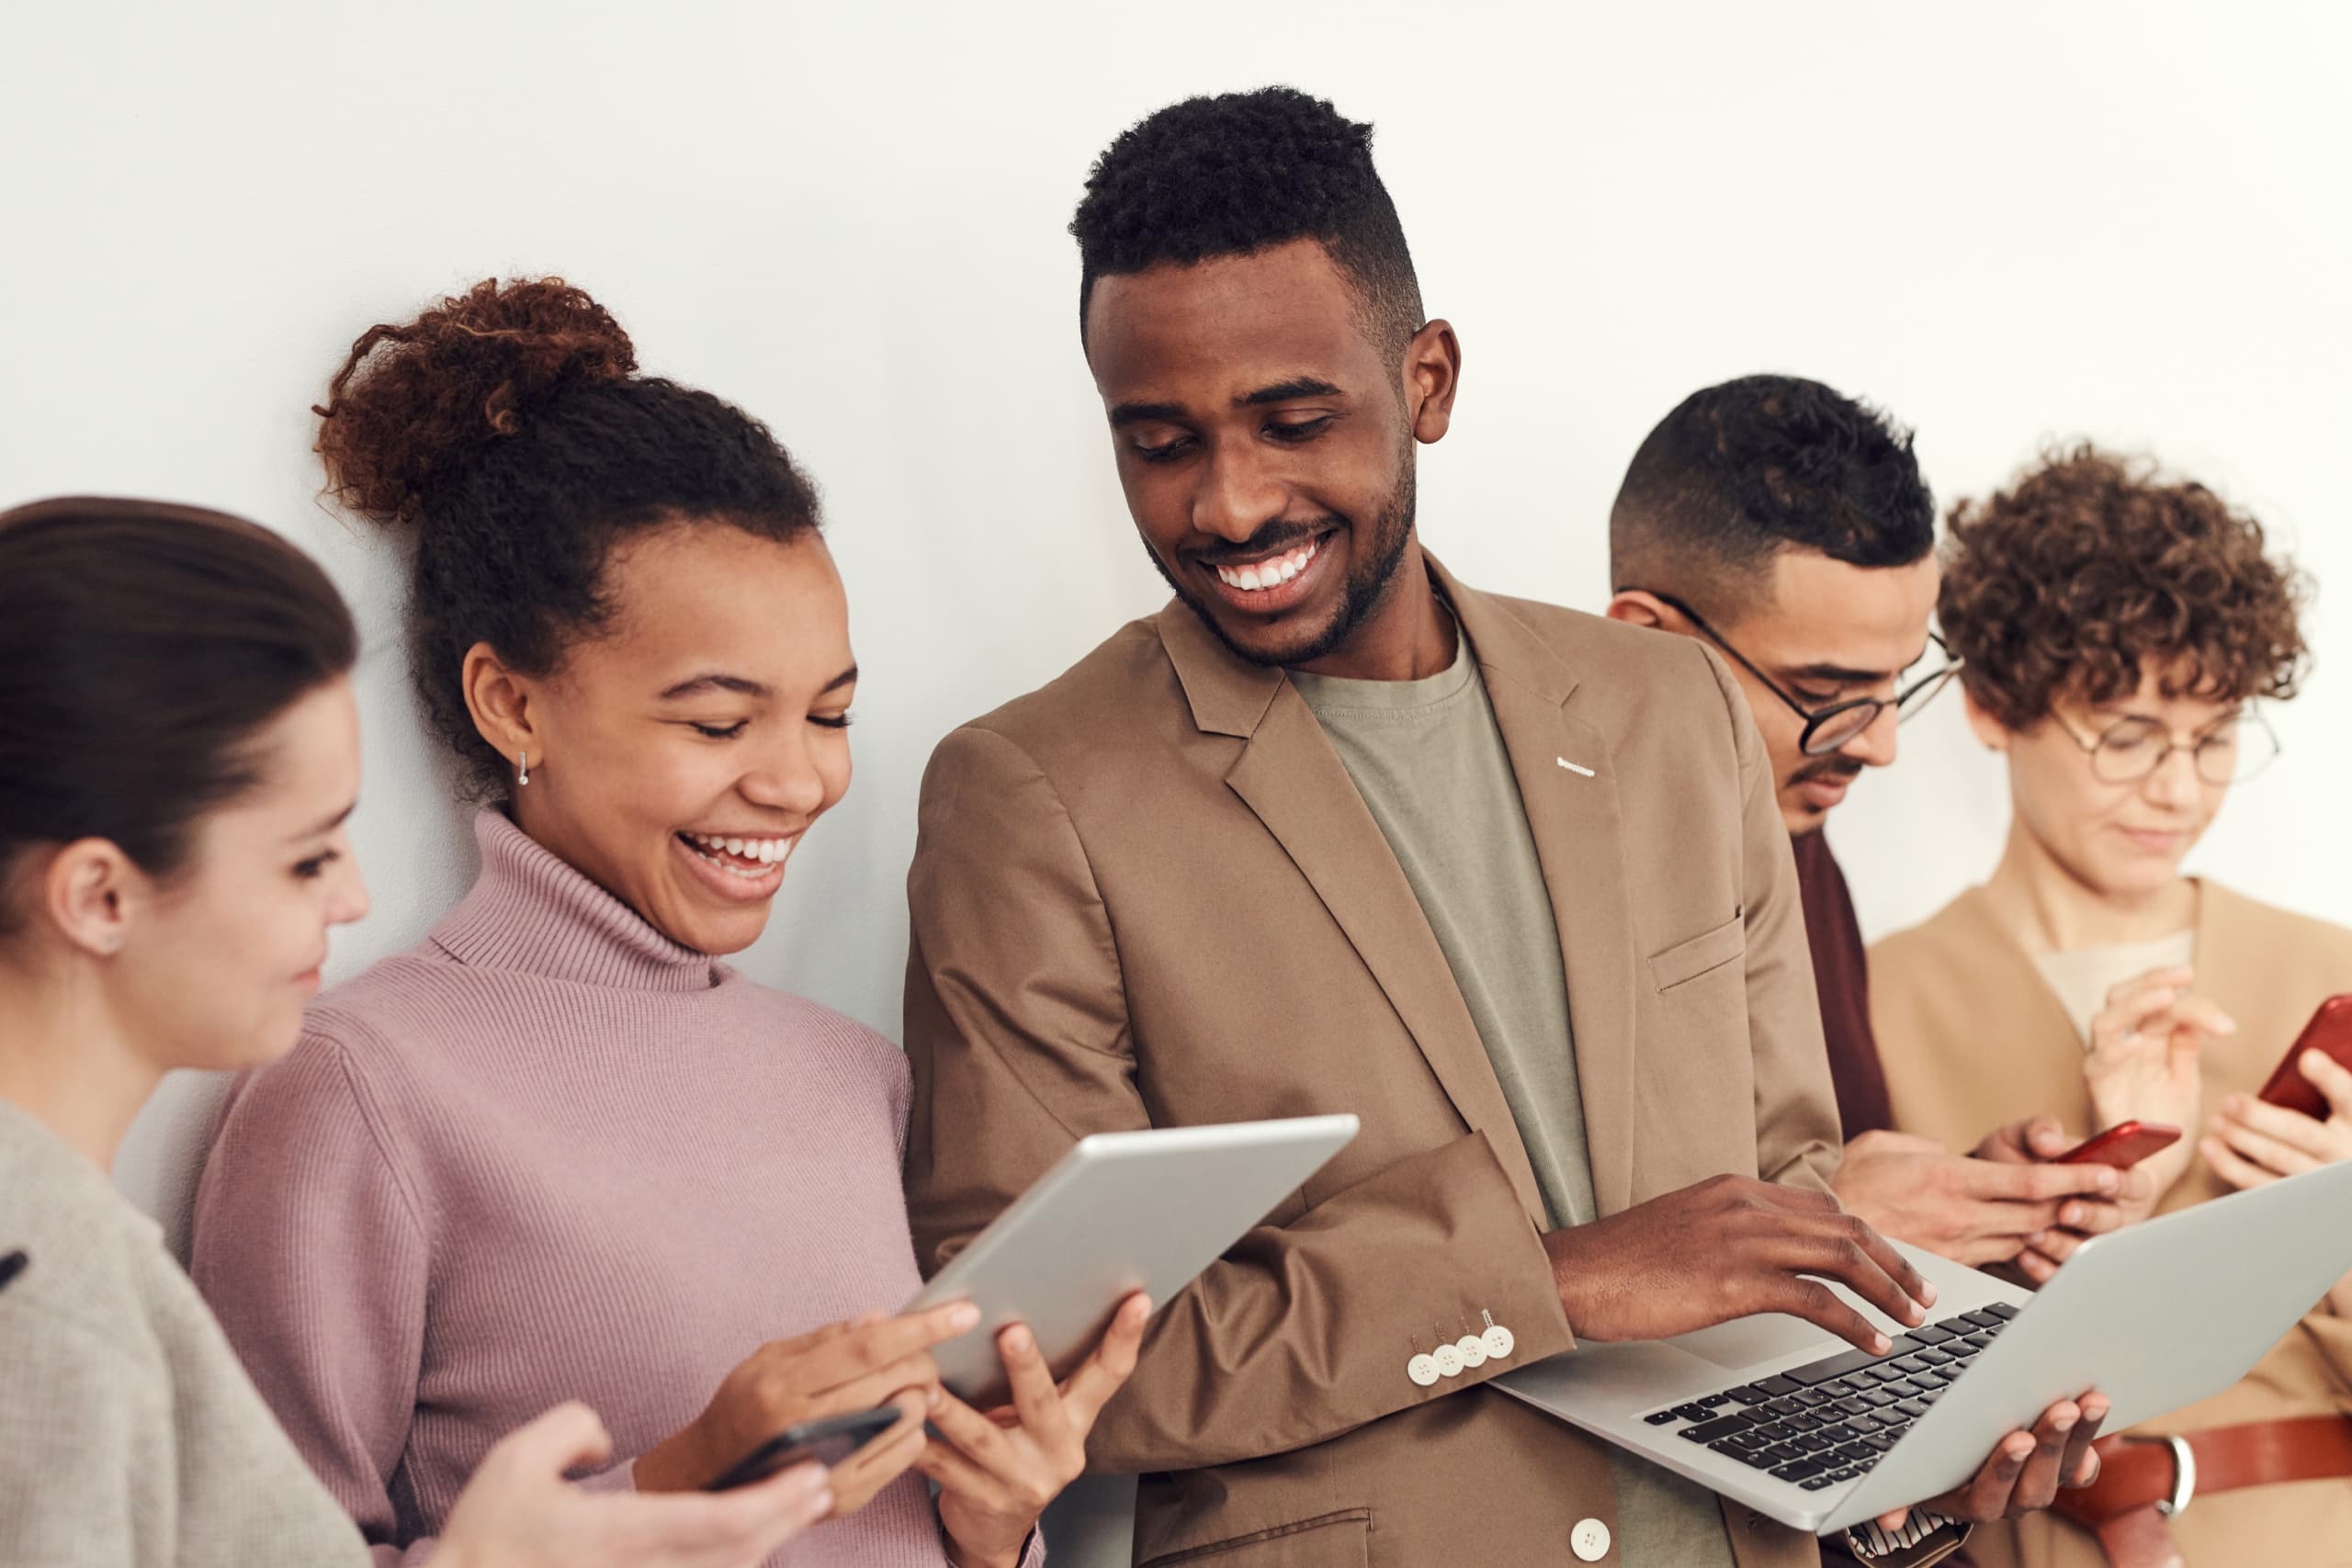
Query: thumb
[(2045, 1138), (564, 1438)]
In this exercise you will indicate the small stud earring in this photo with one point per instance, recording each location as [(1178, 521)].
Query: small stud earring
[(521, 769)]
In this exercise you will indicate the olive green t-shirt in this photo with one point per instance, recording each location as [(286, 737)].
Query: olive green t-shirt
[(1429, 760)]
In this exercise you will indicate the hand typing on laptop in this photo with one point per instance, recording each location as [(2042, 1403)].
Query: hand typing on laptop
[(1734, 1246)]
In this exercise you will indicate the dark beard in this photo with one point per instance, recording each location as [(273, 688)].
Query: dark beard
[(1370, 577)]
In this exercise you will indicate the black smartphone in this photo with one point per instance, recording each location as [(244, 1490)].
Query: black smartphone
[(828, 1442)]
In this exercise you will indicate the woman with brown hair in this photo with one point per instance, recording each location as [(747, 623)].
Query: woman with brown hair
[(2119, 630), (561, 1143), (180, 754)]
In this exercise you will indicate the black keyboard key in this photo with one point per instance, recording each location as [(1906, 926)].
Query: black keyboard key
[(1776, 1385), (1947, 1375), (1835, 1366), (1845, 1474), (1776, 1431), (1747, 1394), (1980, 1341), (1757, 1458), (1983, 1317), (1936, 1333), (1784, 1406), (1915, 1408), (1693, 1412), (1913, 1364), (1800, 1469), (1936, 1358), (1811, 1398), (1850, 1407), (1857, 1453), (2001, 1310), (1814, 1484), (1961, 1326), (1661, 1418), (1807, 1423), (1884, 1373), (1964, 1351), (1713, 1401), (1715, 1430), (1852, 1382), (1882, 1441), (1821, 1441)]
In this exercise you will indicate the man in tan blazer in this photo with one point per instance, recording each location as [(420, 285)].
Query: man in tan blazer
[(1335, 832)]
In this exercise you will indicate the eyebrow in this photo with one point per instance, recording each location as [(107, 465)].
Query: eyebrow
[(332, 823), (716, 682), (1124, 415)]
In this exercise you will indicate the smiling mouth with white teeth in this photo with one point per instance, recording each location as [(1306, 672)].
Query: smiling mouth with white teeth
[(1260, 575), (747, 858)]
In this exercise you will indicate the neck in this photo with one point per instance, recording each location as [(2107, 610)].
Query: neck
[(1409, 636), (64, 1061), (2049, 909)]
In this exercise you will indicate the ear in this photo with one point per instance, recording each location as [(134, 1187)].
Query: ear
[(91, 892), (1637, 608), (1432, 374), (500, 701), (1995, 735)]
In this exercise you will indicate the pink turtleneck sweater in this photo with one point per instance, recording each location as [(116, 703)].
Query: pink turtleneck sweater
[(550, 1154)]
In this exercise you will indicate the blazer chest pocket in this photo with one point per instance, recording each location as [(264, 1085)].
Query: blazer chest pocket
[(1686, 960), (1328, 1540)]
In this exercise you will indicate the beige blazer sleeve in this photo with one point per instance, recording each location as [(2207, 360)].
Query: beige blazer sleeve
[(1016, 1018)]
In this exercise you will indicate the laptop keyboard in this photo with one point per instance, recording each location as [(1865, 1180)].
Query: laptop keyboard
[(1828, 1421)]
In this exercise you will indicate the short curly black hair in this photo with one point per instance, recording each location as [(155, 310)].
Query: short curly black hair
[(1741, 471), (2093, 570), (1236, 173)]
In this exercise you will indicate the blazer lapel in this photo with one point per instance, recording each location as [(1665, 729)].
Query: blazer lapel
[(1569, 789), (1289, 774)]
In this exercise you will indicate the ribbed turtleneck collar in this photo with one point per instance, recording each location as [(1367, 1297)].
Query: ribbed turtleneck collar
[(529, 912)]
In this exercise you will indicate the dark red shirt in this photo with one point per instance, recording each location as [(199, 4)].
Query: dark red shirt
[(1840, 974)]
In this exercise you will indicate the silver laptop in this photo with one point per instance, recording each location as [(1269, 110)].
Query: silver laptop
[(1804, 1428)]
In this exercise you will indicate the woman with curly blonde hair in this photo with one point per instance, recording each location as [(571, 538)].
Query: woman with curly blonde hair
[(2119, 629)]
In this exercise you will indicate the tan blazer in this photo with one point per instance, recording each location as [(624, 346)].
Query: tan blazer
[(1149, 894), (1973, 1037)]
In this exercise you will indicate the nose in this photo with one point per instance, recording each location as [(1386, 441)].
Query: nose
[(1237, 496), (1874, 746), (2174, 782), (348, 903), (785, 775)]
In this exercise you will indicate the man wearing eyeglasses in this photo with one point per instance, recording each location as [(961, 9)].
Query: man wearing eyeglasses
[(1788, 526)]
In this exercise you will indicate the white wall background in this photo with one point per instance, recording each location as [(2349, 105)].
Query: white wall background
[(2004, 221)]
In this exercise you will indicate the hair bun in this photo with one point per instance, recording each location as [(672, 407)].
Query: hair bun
[(413, 403)]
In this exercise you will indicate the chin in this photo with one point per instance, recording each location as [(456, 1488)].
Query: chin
[(722, 934)]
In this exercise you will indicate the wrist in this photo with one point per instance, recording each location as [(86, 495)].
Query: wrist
[(967, 1555), (676, 1463)]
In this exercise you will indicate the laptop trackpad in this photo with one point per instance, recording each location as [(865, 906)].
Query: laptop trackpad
[(1746, 1341)]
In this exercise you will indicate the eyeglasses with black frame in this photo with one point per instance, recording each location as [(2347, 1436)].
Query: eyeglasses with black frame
[(1827, 729), (2229, 750)]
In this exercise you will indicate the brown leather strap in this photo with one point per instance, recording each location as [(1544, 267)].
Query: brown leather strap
[(2135, 1477)]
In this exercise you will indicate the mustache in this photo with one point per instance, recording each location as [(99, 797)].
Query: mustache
[(1271, 539), (1830, 767)]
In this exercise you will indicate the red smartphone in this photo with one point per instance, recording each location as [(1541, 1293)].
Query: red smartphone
[(2122, 1145), (2329, 1032)]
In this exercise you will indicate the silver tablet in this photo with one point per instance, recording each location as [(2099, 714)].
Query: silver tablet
[(1120, 1213)]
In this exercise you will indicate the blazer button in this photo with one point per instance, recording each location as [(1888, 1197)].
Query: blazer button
[(1589, 1541), (1473, 1349), (1423, 1370), (1499, 1343), (1448, 1360)]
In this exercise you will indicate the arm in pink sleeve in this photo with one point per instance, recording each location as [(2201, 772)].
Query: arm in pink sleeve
[(309, 1247)]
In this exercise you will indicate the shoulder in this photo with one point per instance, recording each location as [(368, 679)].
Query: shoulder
[(802, 1018), (1942, 944), (83, 1289), (2281, 931), (1106, 687)]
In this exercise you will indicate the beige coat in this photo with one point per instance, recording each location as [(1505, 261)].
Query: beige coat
[(1973, 1037), (1149, 894)]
